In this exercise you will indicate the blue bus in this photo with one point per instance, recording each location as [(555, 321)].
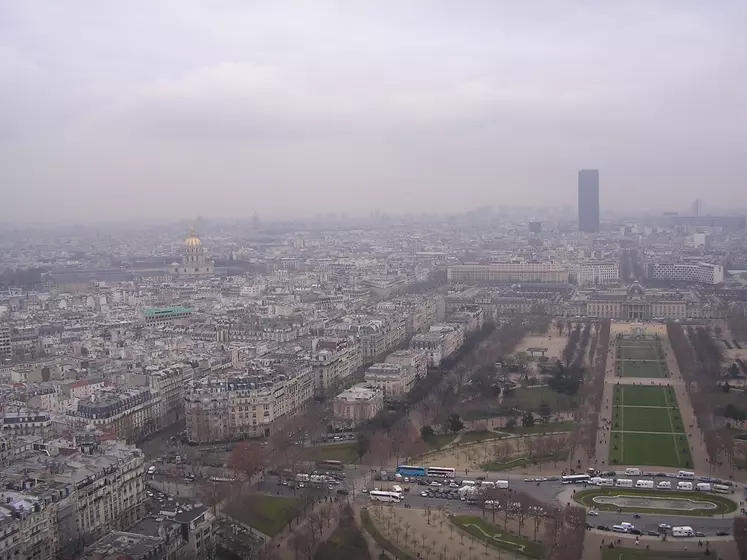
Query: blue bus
[(408, 470)]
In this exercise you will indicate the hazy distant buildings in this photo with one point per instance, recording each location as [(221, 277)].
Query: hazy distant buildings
[(704, 273), (497, 273), (535, 227), (588, 200), (194, 263), (588, 273), (726, 223)]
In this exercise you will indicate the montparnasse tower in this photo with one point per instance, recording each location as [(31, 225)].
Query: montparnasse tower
[(193, 259)]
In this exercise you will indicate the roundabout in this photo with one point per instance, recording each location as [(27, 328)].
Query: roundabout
[(695, 504)]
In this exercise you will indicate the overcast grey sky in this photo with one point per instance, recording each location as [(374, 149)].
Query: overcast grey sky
[(172, 108)]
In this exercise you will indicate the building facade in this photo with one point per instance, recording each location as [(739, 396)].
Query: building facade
[(194, 264), (588, 200), (496, 273), (700, 272), (356, 405), (585, 274)]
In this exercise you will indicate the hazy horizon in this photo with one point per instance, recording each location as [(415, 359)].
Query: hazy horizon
[(171, 109)]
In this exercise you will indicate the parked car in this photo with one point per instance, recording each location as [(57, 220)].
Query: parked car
[(592, 512), (722, 534), (635, 532), (603, 528), (700, 534), (424, 494), (652, 534)]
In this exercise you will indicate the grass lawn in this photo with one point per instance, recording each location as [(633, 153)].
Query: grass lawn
[(344, 452), (530, 399), (479, 435), (649, 449), (630, 554), (650, 369), (267, 514), (639, 352), (538, 428), (520, 462), (635, 419), (494, 536), (639, 395), (439, 440), (724, 504)]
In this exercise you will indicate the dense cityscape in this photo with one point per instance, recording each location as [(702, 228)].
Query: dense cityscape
[(275, 389)]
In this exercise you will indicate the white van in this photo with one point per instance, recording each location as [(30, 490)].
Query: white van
[(703, 487), (664, 485), (595, 480), (624, 483), (468, 483), (619, 529), (487, 484), (643, 483), (683, 531), (501, 483), (628, 526), (687, 475), (607, 482), (684, 486), (397, 489), (633, 472)]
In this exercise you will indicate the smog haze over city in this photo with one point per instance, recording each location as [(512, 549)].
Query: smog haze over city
[(323, 279), (171, 109)]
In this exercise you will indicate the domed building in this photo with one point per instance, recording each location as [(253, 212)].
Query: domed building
[(193, 259)]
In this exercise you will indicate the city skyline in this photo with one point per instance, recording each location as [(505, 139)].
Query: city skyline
[(284, 111)]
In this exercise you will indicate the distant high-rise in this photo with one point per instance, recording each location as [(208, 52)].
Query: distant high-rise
[(588, 200)]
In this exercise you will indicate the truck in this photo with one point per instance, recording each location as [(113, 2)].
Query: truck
[(683, 531), (643, 483), (633, 472), (624, 483)]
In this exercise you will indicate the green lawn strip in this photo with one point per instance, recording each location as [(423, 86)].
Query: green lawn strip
[(637, 554), (565, 426), (530, 399), (380, 539), (345, 542), (650, 449), (723, 504), (520, 462), (487, 532), (674, 437), (653, 369), (647, 420), (642, 395), (267, 514), (344, 452)]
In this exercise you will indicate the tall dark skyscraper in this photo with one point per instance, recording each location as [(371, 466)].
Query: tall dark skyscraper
[(588, 200)]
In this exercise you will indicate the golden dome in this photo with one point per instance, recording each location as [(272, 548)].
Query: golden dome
[(192, 240)]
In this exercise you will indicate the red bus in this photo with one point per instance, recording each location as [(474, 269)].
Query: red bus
[(330, 465)]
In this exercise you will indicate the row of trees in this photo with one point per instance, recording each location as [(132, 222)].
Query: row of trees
[(708, 352), (698, 382)]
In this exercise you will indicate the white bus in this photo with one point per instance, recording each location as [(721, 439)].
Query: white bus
[(643, 483), (633, 472), (383, 496), (576, 479), (687, 475), (721, 488), (444, 472), (624, 483)]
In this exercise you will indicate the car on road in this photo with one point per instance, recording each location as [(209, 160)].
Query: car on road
[(553, 478), (435, 484), (652, 533), (635, 532), (592, 512), (700, 534), (530, 479), (453, 485), (665, 527), (722, 533), (540, 479), (364, 490), (603, 528), (424, 494)]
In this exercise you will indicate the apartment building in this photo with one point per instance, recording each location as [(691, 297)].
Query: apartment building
[(380, 336), (129, 413), (254, 403), (594, 273), (28, 524), (25, 421), (394, 380), (472, 318), (168, 384), (414, 360), (496, 273), (5, 345), (439, 343), (358, 404), (334, 359), (700, 272)]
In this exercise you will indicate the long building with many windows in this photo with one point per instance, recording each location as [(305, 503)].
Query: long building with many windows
[(496, 273)]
